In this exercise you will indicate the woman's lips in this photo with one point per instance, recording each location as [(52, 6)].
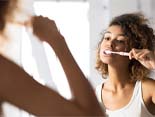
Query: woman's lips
[(106, 53)]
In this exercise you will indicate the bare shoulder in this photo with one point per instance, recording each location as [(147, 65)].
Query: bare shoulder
[(148, 88), (148, 84)]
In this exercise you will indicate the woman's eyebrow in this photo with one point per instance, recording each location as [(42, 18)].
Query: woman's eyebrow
[(122, 34), (107, 32)]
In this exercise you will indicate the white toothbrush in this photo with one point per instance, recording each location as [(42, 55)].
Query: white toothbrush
[(120, 53)]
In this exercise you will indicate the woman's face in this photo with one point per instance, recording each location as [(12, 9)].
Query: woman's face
[(115, 40)]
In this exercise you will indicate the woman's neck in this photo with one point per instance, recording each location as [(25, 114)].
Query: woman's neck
[(118, 76)]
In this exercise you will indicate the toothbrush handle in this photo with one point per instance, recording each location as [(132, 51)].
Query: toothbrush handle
[(124, 53)]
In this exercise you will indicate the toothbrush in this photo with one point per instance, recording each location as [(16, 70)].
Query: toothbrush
[(120, 53)]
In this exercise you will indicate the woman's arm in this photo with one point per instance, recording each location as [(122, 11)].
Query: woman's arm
[(82, 91), (18, 88), (147, 59)]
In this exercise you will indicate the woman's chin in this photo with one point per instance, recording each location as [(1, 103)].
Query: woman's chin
[(107, 61)]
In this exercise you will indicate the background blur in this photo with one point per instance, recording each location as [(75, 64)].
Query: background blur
[(81, 22)]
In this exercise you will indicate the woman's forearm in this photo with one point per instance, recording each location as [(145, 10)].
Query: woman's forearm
[(18, 88), (81, 88)]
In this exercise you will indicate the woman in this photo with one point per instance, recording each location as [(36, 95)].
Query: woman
[(18, 88), (127, 91)]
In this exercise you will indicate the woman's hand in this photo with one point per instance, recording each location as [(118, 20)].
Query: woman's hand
[(46, 30), (144, 56)]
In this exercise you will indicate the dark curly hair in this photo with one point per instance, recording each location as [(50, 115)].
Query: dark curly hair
[(140, 36)]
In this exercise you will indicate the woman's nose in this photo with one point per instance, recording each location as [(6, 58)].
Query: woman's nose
[(111, 43)]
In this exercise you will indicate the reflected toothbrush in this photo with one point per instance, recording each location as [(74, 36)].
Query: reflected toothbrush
[(119, 53)]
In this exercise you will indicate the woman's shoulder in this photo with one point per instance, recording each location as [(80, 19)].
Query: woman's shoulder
[(148, 94), (148, 83), (148, 86)]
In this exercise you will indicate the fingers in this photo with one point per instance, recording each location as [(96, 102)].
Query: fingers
[(139, 54), (132, 54), (36, 20), (44, 28)]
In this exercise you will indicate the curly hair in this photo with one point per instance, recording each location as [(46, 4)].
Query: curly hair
[(140, 36)]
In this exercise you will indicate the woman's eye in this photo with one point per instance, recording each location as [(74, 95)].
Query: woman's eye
[(120, 41), (106, 38)]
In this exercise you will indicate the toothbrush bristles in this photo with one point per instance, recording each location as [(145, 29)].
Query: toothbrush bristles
[(108, 51), (120, 53)]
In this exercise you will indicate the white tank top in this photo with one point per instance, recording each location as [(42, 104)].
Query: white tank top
[(135, 107)]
